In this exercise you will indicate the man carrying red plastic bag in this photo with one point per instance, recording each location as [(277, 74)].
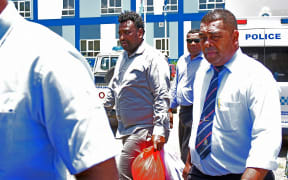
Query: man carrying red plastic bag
[(148, 165), (157, 165)]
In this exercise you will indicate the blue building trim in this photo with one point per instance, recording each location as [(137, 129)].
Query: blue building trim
[(180, 28), (77, 9), (77, 37), (133, 5), (77, 26), (193, 16), (35, 10), (79, 21), (76, 21)]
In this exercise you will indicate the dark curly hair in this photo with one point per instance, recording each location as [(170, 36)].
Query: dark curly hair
[(133, 16)]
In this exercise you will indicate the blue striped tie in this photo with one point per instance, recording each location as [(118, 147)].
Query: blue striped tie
[(204, 132)]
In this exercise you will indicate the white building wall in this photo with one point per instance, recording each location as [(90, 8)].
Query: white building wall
[(187, 28), (108, 39), (173, 40), (50, 9)]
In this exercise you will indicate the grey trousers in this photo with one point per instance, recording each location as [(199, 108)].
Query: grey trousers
[(132, 147)]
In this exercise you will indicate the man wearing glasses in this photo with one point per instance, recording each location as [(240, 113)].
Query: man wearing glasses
[(182, 89)]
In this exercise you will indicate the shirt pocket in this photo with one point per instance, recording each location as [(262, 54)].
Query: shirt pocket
[(228, 112), (8, 106)]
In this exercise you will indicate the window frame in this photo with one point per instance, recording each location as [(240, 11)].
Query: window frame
[(107, 7), (165, 51), (70, 11), (109, 61), (23, 12), (149, 8), (213, 3), (90, 52), (170, 5)]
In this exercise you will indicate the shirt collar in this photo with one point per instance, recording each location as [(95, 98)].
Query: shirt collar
[(188, 60), (8, 17), (198, 57), (230, 65), (139, 50)]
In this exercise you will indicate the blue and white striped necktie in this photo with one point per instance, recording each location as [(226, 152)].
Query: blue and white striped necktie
[(204, 131)]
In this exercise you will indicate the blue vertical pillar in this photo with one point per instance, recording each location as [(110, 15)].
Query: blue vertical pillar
[(180, 28), (35, 10), (77, 25), (133, 5)]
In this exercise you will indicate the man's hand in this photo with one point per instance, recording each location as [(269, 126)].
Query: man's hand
[(187, 167), (158, 142), (106, 170), (254, 173)]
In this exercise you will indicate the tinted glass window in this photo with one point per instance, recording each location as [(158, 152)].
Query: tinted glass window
[(274, 58)]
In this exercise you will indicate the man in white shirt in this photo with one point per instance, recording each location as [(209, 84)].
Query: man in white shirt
[(240, 137), (49, 113)]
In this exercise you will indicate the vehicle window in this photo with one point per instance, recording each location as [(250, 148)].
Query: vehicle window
[(105, 63), (274, 58), (113, 61)]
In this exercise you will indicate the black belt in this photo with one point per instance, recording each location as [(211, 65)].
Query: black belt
[(196, 174), (186, 107)]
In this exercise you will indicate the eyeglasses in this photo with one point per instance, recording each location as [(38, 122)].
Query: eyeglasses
[(193, 40)]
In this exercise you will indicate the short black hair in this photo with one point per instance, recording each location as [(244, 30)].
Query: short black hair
[(192, 31), (226, 16), (133, 16)]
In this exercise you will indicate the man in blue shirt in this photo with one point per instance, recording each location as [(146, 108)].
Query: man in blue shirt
[(242, 136), (182, 89)]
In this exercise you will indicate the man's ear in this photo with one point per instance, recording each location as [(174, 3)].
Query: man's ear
[(140, 33), (236, 38)]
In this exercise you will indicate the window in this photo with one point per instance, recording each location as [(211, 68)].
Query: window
[(211, 4), (172, 5), (105, 63), (113, 61), (148, 8), (274, 58), (68, 8), (111, 7), (108, 62), (89, 47), (161, 46), (24, 8)]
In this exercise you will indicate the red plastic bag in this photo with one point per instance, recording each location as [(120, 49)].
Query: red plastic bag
[(148, 166)]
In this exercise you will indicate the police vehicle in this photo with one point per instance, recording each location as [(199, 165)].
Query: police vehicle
[(266, 39)]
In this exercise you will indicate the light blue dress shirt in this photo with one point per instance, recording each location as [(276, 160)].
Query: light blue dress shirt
[(182, 86), (247, 123), (50, 117), (140, 92)]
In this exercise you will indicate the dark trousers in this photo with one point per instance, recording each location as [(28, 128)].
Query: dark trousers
[(185, 124), (195, 174)]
